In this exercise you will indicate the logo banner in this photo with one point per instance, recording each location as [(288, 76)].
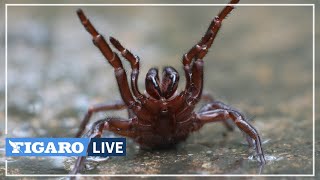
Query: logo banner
[(65, 147)]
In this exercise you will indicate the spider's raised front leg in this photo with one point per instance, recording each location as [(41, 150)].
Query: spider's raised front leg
[(146, 103), (215, 25), (135, 66), (113, 59), (194, 74), (123, 127), (224, 114)]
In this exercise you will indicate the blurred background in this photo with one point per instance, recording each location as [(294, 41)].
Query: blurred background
[(260, 63)]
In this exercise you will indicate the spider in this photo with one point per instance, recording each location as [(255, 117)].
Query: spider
[(162, 117)]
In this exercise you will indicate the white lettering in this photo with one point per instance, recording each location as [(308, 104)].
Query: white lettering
[(64, 147), (95, 148), (109, 148), (35, 145), (28, 147), (119, 146), (50, 148), (74, 147)]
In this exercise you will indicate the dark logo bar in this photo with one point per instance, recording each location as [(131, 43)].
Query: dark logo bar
[(107, 147)]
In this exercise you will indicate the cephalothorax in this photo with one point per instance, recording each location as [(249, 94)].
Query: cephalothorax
[(162, 117)]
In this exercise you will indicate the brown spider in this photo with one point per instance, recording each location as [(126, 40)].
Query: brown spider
[(162, 117)]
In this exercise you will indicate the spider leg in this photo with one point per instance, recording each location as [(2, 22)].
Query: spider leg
[(135, 66), (98, 108), (205, 42), (146, 103), (224, 114), (192, 94), (94, 132), (220, 105), (113, 59), (215, 25), (194, 91), (119, 126)]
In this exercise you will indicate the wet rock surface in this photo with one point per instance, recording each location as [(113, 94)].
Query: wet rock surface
[(262, 67)]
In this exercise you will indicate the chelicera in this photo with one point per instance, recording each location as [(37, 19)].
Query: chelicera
[(162, 117)]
